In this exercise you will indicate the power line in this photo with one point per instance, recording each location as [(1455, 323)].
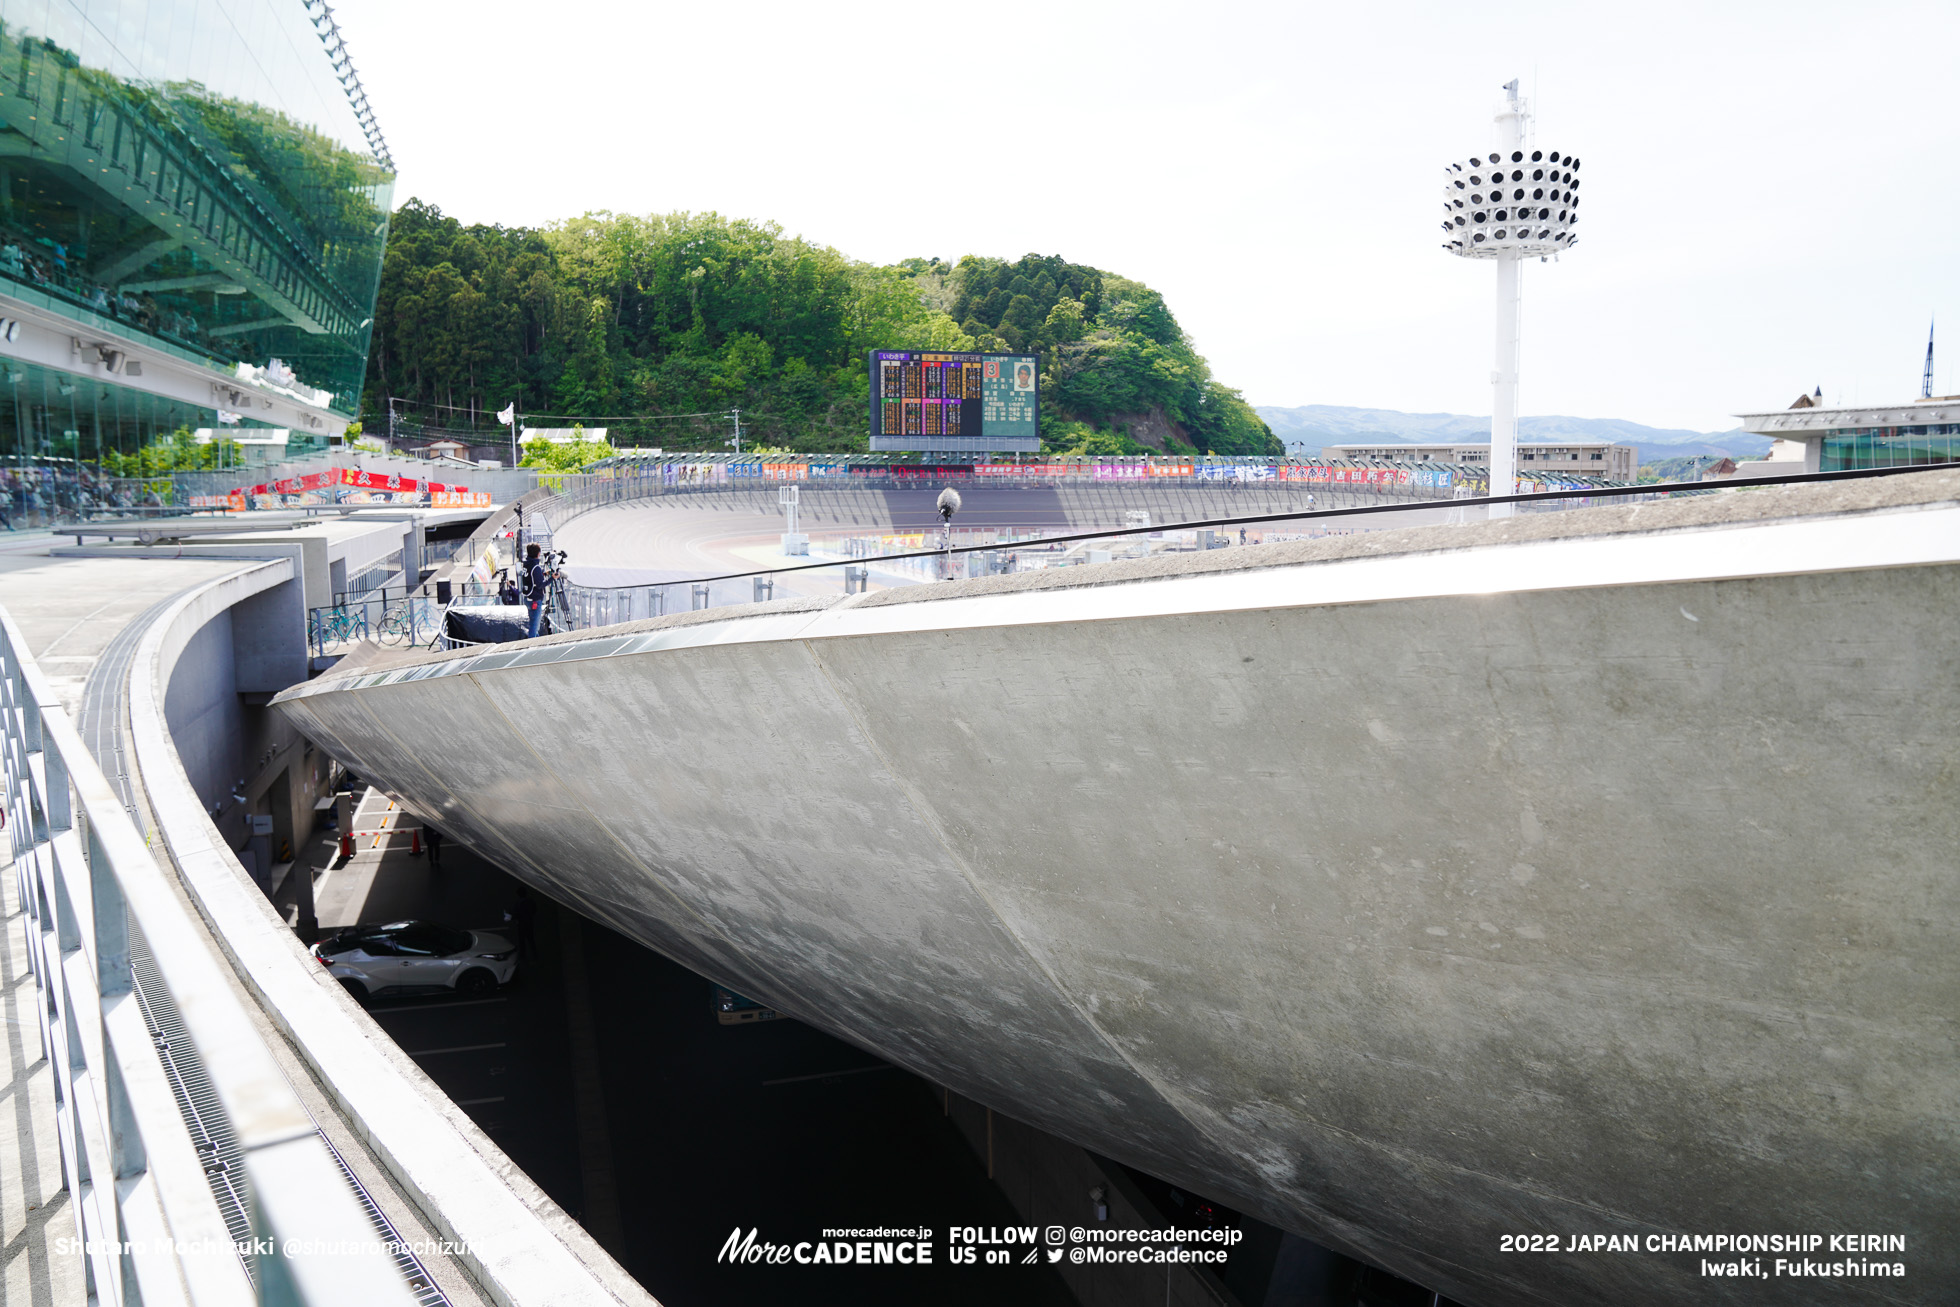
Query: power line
[(630, 417), (572, 417), (429, 403)]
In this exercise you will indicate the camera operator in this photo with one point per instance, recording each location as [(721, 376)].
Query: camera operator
[(536, 587), (543, 582)]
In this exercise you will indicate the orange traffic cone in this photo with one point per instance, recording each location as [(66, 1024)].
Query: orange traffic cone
[(347, 845), (415, 843)]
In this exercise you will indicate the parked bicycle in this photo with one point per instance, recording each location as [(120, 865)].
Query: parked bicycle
[(397, 625), (337, 625)]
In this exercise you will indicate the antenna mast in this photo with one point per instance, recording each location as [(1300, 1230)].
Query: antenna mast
[(1926, 384)]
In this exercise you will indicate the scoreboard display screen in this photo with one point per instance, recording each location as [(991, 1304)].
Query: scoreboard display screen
[(948, 400)]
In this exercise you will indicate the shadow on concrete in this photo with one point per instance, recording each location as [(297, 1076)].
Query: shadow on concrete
[(664, 1131)]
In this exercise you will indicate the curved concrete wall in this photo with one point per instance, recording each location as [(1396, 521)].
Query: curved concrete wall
[(522, 1249), (1585, 874)]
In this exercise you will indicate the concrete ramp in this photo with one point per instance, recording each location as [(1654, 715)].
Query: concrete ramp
[(1577, 874)]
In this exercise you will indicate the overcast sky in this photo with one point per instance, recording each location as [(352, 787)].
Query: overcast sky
[(1769, 199)]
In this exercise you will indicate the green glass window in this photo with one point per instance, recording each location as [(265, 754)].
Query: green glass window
[(192, 174), (1863, 447)]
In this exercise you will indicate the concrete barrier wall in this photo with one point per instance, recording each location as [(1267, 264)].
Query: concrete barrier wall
[(1587, 873), (523, 1249), (206, 719)]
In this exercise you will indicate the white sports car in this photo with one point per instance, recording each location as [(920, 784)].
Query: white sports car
[(406, 957)]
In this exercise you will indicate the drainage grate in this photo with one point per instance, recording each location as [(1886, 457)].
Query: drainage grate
[(197, 1102), (104, 709), (420, 1282), (217, 1146)]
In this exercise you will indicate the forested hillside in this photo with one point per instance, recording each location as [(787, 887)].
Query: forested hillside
[(608, 315)]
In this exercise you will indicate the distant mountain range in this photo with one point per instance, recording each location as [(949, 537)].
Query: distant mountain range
[(1312, 426)]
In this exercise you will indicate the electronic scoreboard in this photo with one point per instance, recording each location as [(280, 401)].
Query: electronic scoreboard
[(948, 400)]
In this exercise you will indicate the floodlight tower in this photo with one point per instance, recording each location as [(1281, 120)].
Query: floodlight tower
[(1510, 204)]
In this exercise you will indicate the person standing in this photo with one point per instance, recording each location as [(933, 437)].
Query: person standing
[(534, 588), (435, 845), (522, 913)]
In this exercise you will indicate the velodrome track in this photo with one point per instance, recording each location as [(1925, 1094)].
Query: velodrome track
[(679, 537)]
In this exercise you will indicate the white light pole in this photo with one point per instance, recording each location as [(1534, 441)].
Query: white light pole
[(1511, 204)]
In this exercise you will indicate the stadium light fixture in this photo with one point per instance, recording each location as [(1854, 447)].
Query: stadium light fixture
[(1509, 232)]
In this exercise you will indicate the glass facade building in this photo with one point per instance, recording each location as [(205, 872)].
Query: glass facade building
[(1895, 446), (189, 190)]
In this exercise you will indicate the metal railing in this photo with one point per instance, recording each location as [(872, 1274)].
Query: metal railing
[(394, 617), (884, 557), (927, 556), (142, 1192)]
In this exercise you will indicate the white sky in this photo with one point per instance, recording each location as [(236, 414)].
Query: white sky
[(1769, 200)]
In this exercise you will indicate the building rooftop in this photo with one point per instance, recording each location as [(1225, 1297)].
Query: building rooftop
[(1815, 418)]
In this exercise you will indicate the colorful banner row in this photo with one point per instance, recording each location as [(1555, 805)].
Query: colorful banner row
[(1440, 477), (345, 485)]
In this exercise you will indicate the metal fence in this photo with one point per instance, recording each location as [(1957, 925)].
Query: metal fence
[(857, 561), (394, 617), (874, 556), (141, 1190)]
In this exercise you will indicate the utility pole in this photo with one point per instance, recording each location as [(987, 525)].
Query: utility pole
[(737, 414)]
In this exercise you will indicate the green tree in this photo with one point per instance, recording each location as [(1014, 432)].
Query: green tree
[(573, 455), (680, 314)]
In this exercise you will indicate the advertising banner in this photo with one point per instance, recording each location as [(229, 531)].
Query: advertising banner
[(959, 473), (360, 479), (346, 486), (311, 481), (694, 474), (401, 498), (1367, 476)]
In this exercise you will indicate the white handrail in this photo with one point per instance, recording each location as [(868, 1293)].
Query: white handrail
[(149, 1223)]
